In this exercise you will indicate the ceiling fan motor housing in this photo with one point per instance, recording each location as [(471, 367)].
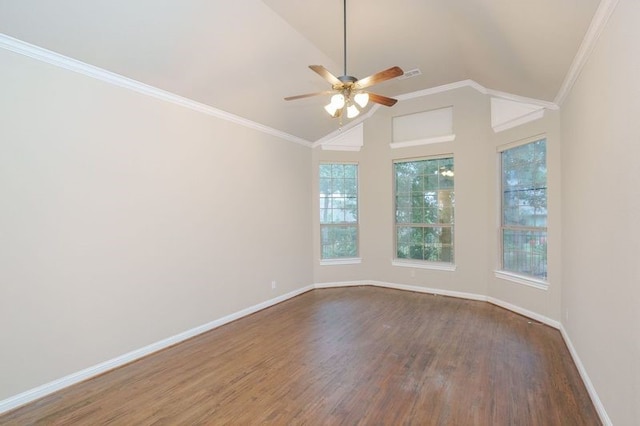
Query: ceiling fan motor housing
[(347, 79)]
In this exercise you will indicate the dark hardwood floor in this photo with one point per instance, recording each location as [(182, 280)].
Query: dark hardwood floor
[(360, 355)]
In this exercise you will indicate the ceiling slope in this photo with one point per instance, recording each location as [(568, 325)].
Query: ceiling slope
[(244, 57)]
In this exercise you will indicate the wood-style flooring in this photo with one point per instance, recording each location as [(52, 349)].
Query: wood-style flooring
[(359, 355)]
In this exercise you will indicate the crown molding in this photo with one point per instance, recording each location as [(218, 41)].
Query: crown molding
[(517, 98), (438, 89), (598, 23), (479, 88), (61, 61), (435, 90), (35, 52)]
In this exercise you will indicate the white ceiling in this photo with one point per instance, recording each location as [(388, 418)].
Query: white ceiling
[(245, 56)]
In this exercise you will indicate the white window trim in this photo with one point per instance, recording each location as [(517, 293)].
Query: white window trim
[(415, 263), (341, 261), (499, 273), (436, 266), (521, 142), (522, 279)]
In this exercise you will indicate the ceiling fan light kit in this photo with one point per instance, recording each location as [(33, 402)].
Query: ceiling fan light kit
[(350, 93), (352, 111), (361, 99)]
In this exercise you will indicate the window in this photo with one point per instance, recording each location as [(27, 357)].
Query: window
[(424, 201), (524, 209), (339, 210)]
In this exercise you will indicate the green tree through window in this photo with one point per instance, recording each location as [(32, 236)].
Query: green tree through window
[(424, 201), (524, 209), (339, 210)]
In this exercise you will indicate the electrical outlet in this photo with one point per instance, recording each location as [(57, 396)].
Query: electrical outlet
[(273, 284), (566, 315)]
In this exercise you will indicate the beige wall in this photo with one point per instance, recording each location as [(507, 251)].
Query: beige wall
[(477, 203), (601, 210), (543, 302), (125, 220), (471, 127)]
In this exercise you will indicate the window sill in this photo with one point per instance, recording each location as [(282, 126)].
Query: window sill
[(342, 261), (437, 266), (521, 279)]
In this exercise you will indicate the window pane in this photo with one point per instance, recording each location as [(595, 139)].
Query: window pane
[(337, 171), (325, 186), (524, 209), (325, 171), (425, 207), (350, 171), (431, 182), (324, 215), (339, 241), (338, 187), (431, 215), (350, 187), (403, 184), (402, 251), (403, 202), (525, 252), (433, 244)]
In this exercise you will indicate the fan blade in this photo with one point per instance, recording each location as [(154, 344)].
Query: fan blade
[(324, 73), (308, 95), (379, 77), (382, 100)]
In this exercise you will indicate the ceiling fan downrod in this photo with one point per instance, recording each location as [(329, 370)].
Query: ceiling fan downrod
[(347, 90), (344, 35)]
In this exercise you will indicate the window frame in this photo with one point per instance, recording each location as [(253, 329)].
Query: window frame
[(346, 260), (502, 273), (421, 263)]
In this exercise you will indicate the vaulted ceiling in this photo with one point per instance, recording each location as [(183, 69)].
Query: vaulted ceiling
[(245, 56)]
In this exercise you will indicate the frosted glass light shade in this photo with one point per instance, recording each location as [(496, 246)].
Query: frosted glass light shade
[(361, 99), (338, 100), (352, 111), (331, 109)]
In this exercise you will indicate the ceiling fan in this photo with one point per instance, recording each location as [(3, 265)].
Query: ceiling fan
[(348, 90)]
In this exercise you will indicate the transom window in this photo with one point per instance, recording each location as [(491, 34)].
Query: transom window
[(424, 204), (524, 209), (339, 210)]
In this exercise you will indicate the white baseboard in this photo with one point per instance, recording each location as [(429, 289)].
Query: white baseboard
[(66, 381), (450, 293), (406, 287), (428, 290), (525, 312), (342, 284), (56, 385), (604, 417)]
